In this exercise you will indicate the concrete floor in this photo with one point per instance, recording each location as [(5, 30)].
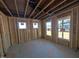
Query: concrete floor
[(41, 49)]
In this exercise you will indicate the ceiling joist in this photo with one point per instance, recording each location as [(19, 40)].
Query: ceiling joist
[(61, 8), (44, 8), (36, 8), (26, 8), (16, 7), (52, 9), (6, 7)]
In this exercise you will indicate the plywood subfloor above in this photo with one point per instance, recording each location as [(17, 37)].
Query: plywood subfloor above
[(40, 49)]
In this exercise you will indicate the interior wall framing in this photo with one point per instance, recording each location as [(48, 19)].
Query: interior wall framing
[(74, 27)]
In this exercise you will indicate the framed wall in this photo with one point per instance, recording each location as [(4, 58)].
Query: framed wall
[(73, 12)]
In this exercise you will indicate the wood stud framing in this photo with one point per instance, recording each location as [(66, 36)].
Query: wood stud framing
[(61, 8), (40, 1), (44, 8), (16, 7), (6, 7), (26, 8), (52, 8), (36, 7)]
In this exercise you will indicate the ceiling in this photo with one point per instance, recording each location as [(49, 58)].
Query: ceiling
[(32, 8)]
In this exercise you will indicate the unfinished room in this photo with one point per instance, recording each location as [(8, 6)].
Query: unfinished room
[(39, 28)]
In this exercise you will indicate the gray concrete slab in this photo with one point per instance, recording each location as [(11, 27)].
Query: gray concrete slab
[(41, 49)]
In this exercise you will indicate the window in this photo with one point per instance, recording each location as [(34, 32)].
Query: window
[(48, 28), (64, 28), (22, 25), (35, 25)]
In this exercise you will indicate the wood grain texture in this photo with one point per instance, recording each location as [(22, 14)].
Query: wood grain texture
[(4, 33), (74, 38), (22, 35)]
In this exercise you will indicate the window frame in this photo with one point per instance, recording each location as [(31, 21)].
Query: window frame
[(20, 27), (37, 25), (62, 19), (48, 28)]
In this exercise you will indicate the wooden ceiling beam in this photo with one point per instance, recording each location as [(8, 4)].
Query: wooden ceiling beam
[(26, 8), (61, 7), (6, 7), (44, 8), (52, 9), (35, 8), (16, 7)]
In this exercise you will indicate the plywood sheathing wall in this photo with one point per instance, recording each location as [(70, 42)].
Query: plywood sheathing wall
[(76, 26), (74, 30), (1, 45), (22, 35), (13, 30), (5, 38), (10, 34)]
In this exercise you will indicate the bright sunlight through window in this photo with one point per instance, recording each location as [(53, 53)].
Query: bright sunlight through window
[(48, 28), (35, 25), (22, 25), (64, 28)]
